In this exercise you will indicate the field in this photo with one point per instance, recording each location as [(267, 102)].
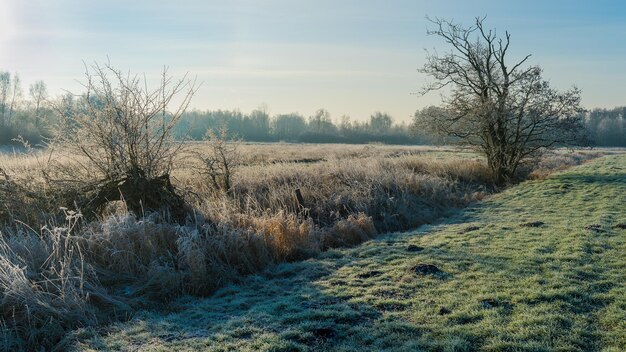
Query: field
[(64, 271), (539, 267)]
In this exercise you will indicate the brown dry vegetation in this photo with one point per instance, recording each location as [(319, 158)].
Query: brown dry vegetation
[(58, 271)]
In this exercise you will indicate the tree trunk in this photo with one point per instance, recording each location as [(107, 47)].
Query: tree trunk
[(141, 195)]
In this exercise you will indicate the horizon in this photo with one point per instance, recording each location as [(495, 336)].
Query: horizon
[(350, 58)]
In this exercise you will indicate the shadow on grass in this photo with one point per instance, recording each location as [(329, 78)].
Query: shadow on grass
[(284, 310), (287, 309), (601, 179)]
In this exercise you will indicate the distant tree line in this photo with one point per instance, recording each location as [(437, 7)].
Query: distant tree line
[(259, 126), (31, 113), (607, 127)]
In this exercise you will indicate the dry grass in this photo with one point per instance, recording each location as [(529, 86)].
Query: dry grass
[(47, 287), (271, 153), (560, 161), (53, 278), (397, 192)]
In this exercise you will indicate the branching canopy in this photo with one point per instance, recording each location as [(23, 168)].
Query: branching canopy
[(505, 110), (123, 132)]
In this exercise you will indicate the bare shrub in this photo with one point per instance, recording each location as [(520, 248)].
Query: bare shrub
[(123, 135), (220, 163)]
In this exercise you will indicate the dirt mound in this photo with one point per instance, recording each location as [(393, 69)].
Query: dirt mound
[(490, 303), (595, 228), (368, 274), (414, 248), (533, 224), (444, 311), (424, 269), (469, 229)]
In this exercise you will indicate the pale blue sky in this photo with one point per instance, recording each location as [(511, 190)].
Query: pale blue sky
[(350, 57)]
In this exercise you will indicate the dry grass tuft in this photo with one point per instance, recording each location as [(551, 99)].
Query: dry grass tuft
[(134, 254), (348, 232), (287, 236), (47, 286)]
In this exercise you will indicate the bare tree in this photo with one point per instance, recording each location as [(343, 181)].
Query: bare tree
[(38, 93), (5, 89), (505, 110), (380, 122), (288, 126), (321, 122), (123, 131), (16, 89)]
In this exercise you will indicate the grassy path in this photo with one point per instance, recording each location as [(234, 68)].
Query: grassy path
[(540, 267)]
